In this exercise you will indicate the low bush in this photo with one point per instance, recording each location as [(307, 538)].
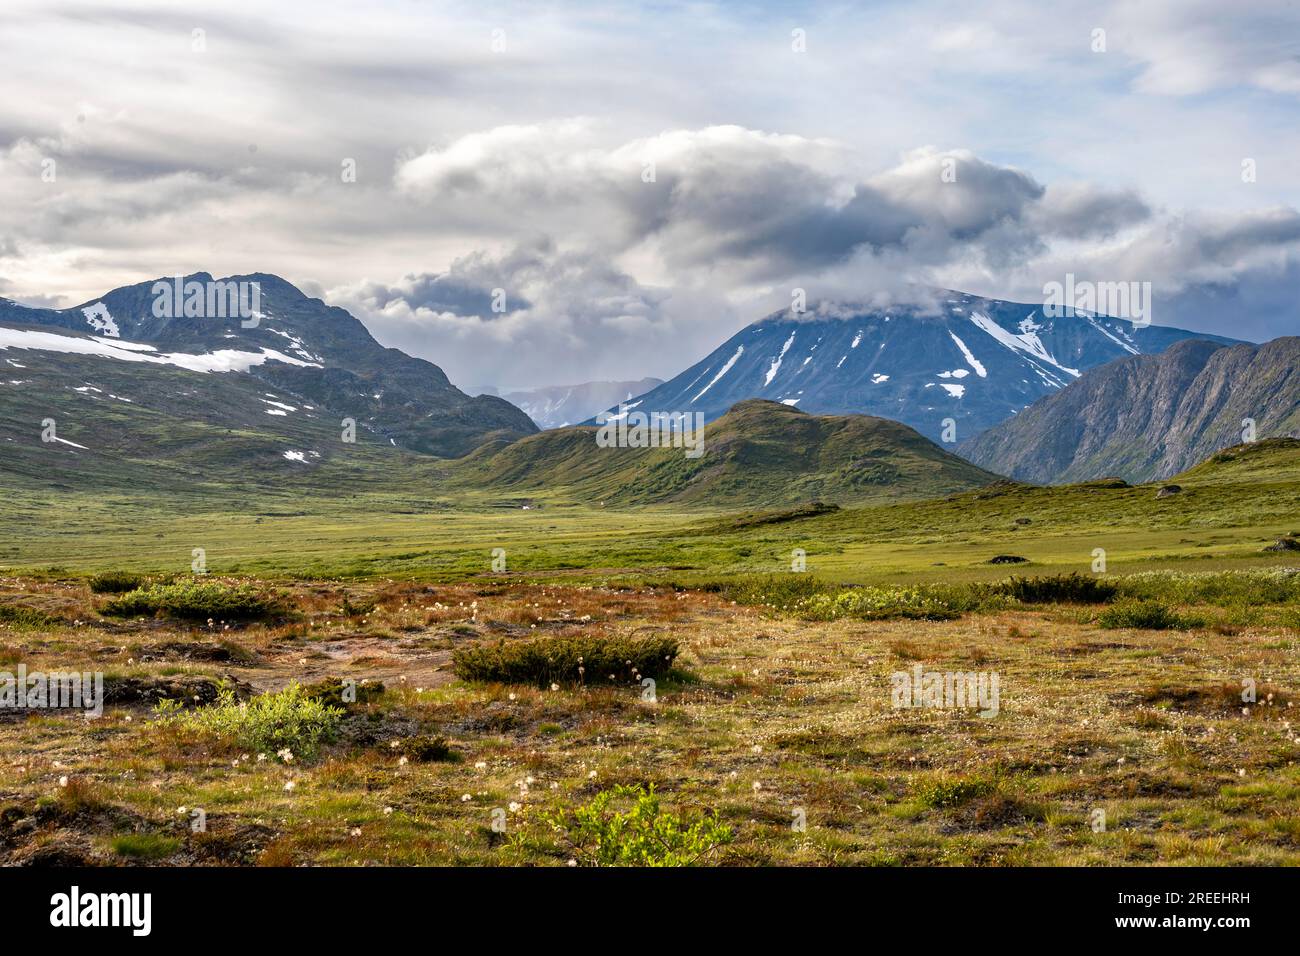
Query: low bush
[(1149, 615), (644, 834), (21, 617), (342, 692), (115, 582), (943, 794), (1238, 588), (426, 749), (268, 724), (197, 599), (568, 660), (876, 603), (1073, 588)]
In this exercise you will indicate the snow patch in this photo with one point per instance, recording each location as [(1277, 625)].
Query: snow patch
[(99, 319), (222, 360), (740, 350), (776, 362), (971, 360), (1027, 342)]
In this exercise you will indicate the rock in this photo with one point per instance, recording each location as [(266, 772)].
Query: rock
[(1007, 559), (1284, 544), (1024, 521), (1169, 490), (189, 690)]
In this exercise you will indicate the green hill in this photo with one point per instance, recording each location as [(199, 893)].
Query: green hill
[(759, 453)]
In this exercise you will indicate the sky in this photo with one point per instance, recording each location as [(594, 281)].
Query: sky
[(542, 193)]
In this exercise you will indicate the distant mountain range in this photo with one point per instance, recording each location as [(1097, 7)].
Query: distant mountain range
[(759, 453), (138, 401), (308, 354), (1148, 417), (979, 362), (560, 405)]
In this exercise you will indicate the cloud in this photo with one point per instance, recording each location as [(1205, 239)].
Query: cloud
[(525, 168)]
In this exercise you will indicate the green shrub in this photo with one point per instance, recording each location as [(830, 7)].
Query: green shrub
[(115, 582), (1150, 615), (644, 834), (1240, 588), (567, 660), (943, 794), (805, 595), (1073, 588), (877, 603), (777, 591), (332, 691), (196, 599), (267, 724), (21, 617)]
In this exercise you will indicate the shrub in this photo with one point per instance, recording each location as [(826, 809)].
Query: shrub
[(1245, 587), (777, 591), (21, 617), (1151, 615), (805, 595), (424, 749), (643, 835), (874, 603), (1073, 588), (115, 582), (942, 794), (266, 724), (555, 660), (332, 692), (196, 599)]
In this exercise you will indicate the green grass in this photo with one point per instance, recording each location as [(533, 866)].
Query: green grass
[(144, 846)]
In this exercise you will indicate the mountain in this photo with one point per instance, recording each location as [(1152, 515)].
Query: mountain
[(979, 361), (1148, 417), (758, 453), (561, 405), (298, 347)]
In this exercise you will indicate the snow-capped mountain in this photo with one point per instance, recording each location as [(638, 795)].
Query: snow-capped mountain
[(978, 362), (560, 405), (278, 341)]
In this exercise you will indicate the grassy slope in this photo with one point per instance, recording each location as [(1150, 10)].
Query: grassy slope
[(1226, 514), (759, 453)]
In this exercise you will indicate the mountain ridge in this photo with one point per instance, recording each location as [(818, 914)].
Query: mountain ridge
[(1151, 417), (319, 353), (976, 362)]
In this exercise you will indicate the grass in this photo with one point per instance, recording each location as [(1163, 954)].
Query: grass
[(783, 720), (144, 846), (776, 721)]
